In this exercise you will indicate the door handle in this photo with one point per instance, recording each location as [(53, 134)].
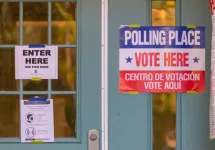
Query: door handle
[(93, 139)]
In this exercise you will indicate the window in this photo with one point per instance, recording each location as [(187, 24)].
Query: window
[(24, 23), (164, 104)]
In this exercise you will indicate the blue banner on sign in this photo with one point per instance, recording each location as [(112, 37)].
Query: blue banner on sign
[(162, 37)]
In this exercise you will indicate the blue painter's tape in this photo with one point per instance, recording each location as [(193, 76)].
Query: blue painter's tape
[(41, 99), (36, 46)]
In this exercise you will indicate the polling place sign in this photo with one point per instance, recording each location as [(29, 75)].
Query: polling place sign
[(36, 62), (162, 59)]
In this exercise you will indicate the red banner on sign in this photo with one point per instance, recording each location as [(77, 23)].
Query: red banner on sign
[(162, 81)]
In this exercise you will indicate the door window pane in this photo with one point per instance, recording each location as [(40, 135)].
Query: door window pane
[(35, 23), (65, 115), (164, 120), (9, 18), (7, 70), (64, 22), (66, 70), (9, 116), (29, 85), (164, 104)]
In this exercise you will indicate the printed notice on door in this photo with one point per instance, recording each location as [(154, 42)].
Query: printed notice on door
[(36, 120), (34, 62), (162, 59)]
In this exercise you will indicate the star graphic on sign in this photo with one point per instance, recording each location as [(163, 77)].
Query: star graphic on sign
[(195, 60), (128, 60)]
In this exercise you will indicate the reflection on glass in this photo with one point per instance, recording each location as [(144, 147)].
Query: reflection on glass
[(7, 71), (164, 120), (29, 85), (64, 115), (164, 104), (66, 70), (9, 16), (35, 25), (163, 13), (9, 116), (64, 23)]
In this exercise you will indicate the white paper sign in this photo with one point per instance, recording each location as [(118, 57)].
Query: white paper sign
[(37, 122), (36, 62)]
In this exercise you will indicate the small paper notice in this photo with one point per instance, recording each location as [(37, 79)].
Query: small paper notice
[(37, 121)]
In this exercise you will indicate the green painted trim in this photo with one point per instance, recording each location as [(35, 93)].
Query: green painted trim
[(57, 140), (150, 121), (178, 121), (49, 40), (178, 95), (149, 95), (20, 42), (59, 46), (78, 72)]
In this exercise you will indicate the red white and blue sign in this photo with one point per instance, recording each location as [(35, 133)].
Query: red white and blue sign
[(162, 59)]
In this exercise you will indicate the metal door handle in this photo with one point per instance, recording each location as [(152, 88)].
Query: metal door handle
[(93, 139)]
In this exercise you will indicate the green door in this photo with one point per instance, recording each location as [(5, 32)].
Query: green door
[(147, 121), (74, 26)]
